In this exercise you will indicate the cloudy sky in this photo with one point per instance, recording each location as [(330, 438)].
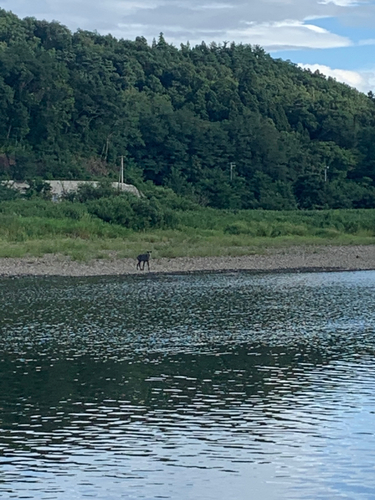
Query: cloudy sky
[(335, 36)]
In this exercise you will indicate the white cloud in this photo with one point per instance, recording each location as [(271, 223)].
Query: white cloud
[(343, 3), (213, 6), (361, 80), (194, 18), (289, 34)]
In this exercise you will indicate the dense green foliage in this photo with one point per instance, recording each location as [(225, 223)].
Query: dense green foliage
[(88, 205), (72, 103), (102, 212)]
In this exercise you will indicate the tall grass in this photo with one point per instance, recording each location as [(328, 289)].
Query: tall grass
[(271, 223), (37, 227)]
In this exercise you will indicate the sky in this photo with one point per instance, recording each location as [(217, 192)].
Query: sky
[(336, 37)]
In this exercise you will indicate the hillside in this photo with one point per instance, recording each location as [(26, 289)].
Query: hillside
[(227, 126)]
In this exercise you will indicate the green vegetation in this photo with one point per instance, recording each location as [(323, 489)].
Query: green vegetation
[(224, 126), (232, 150), (100, 223)]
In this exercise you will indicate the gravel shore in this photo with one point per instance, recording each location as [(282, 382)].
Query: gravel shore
[(303, 259)]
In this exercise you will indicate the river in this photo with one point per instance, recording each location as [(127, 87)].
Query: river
[(192, 387)]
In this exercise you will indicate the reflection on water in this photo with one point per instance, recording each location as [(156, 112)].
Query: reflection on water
[(192, 387)]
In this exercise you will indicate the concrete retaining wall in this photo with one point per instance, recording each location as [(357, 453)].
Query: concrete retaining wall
[(60, 188)]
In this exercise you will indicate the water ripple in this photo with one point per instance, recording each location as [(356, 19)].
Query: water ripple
[(188, 387)]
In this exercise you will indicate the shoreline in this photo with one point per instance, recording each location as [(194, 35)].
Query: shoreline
[(291, 259)]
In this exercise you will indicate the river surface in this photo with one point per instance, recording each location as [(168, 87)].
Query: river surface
[(191, 387)]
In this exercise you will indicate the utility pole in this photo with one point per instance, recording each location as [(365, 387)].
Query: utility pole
[(325, 173), (121, 174), (232, 165), (122, 170)]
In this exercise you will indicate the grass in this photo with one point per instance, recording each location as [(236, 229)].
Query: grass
[(203, 232), (169, 244)]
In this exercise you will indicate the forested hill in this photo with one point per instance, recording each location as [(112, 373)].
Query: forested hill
[(72, 103)]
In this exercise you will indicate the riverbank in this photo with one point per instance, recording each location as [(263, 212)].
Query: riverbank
[(308, 258)]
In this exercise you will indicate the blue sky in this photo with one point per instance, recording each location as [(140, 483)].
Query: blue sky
[(335, 36)]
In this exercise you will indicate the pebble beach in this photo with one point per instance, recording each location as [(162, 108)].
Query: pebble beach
[(301, 259)]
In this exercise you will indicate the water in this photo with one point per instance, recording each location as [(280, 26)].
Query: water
[(226, 386)]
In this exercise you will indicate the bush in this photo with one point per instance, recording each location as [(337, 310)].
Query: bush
[(115, 210), (134, 213), (75, 211), (170, 219), (168, 198), (35, 207), (8, 193), (146, 214), (89, 192), (237, 227)]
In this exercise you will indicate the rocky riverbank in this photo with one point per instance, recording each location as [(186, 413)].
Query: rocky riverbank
[(325, 258)]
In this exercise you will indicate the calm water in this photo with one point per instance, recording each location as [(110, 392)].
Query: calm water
[(226, 386)]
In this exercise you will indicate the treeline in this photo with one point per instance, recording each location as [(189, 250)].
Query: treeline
[(224, 125)]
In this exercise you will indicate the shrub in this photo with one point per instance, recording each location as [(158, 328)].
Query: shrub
[(75, 211), (116, 210), (237, 227), (8, 193), (170, 219), (89, 192), (35, 207), (263, 229)]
